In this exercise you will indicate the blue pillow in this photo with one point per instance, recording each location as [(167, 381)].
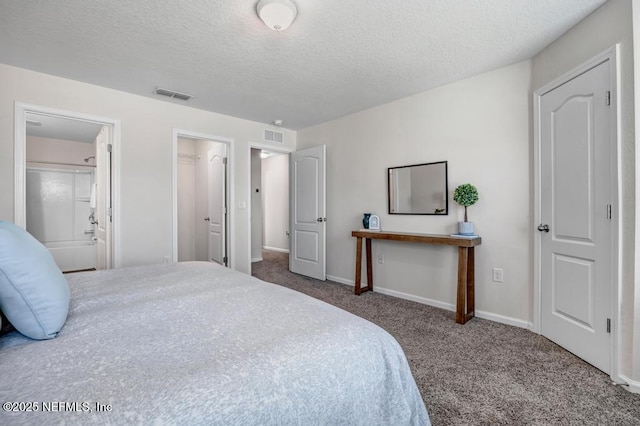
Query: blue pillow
[(34, 295)]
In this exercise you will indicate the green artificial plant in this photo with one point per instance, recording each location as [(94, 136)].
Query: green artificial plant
[(466, 195)]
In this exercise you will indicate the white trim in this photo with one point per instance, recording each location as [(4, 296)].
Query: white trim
[(279, 250), (451, 307), (502, 319), (20, 135), (632, 386), (188, 134), (413, 298), (340, 280), (256, 259), (612, 55), (270, 148), (438, 304)]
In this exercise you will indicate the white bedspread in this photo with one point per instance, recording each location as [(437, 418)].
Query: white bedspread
[(195, 343)]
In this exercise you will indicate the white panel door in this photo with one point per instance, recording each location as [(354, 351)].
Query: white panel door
[(576, 261), (308, 212), (103, 200), (217, 206)]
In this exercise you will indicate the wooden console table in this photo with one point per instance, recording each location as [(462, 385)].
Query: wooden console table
[(465, 301)]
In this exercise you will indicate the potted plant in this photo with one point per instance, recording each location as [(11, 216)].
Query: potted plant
[(466, 195)]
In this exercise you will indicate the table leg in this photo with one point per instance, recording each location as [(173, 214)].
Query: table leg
[(369, 267), (358, 284), (465, 303), (358, 281), (471, 278)]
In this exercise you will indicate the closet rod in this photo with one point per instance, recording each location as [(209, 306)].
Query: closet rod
[(61, 164)]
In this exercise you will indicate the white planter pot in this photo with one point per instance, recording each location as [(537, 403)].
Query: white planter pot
[(465, 228)]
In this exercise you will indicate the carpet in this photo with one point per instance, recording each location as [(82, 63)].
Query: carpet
[(480, 373)]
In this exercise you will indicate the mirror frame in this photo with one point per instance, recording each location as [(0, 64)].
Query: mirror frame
[(446, 188)]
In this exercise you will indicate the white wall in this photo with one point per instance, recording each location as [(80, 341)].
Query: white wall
[(146, 163), (610, 24), (275, 202), (59, 151), (256, 206), (481, 126)]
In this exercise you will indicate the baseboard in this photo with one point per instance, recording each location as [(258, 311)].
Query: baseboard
[(438, 304), (340, 280), (504, 320), (256, 259), (279, 250), (413, 298), (632, 386)]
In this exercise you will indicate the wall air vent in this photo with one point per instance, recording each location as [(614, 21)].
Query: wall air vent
[(273, 136), (172, 94)]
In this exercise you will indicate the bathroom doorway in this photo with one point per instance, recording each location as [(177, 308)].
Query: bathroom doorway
[(64, 185)]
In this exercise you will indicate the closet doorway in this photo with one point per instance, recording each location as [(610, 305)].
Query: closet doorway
[(201, 201), (64, 185), (269, 201)]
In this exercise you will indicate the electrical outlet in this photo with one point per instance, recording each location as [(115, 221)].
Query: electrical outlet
[(381, 259), (498, 275)]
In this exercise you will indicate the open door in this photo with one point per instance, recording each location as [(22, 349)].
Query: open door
[(103, 208), (308, 212), (217, 205), (576, 213)]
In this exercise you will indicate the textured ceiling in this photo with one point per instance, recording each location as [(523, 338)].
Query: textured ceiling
[(337, 58)]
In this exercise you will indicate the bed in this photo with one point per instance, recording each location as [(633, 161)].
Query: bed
[(196, 343)]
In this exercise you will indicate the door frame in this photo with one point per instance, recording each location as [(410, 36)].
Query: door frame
[(266, 147), (230, 232), (20, 165), (612, 55)]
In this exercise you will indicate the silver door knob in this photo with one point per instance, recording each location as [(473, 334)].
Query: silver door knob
[(543, 228)]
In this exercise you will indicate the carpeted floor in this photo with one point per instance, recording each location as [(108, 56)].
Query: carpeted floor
[(482, 373)]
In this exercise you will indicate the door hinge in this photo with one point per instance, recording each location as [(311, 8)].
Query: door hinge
[(608, 325), (109, 212), (607, 97), (224, 260), (609, 211), (224, 160), (109, 147)]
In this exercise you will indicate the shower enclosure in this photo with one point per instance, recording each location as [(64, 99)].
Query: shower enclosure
[(59, 212)]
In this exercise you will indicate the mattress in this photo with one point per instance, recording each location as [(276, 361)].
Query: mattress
[(196, 343)]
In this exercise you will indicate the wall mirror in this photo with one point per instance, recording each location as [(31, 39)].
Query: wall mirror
[(418, 189)]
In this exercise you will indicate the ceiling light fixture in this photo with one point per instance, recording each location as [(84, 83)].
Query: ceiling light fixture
[(277, 14)]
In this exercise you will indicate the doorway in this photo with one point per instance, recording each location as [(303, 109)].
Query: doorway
[(65, 185), (269, 201), (201, 198), (576, 248)]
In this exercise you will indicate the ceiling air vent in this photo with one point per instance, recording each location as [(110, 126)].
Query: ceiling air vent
[(273, 136), (172, 94)]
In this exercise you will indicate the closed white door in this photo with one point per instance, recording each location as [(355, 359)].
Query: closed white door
[(308, 212), (103, 209), (576, 229), (217, 206)]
